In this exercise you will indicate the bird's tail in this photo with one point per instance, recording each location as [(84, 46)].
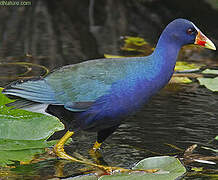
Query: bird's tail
[(28, 91)]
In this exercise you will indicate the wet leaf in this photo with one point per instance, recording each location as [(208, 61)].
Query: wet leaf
[(210, 71), (19, 124), (209, 83), (12, 145), (186, 67), (170, 169), (8, 157), (23, 133), (137, 44), (197, 169), (180, 80)]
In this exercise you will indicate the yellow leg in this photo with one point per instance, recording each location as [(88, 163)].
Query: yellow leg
[(59, 150), (96, 155)]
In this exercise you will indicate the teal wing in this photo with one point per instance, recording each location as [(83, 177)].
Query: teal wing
[(75, 86), (87, 81)]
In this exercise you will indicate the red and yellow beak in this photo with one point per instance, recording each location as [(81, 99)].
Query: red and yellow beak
[(202, 40)]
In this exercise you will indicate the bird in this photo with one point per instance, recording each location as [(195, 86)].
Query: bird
[(97, 95)]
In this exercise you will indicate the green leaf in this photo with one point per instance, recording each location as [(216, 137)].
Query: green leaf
[(185, 66), (19, 124), (137, 44), (197, 169), (175, 79), (170, 168), (209, 83), (12, 145), (8, 157), (216, 138), (23, 134), (210, 71)]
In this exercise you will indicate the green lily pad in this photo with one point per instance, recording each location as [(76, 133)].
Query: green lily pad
[(170, 168), (24, 125), (210, 71), (23, 134), (8, 157), (13, 145), (209, 83)]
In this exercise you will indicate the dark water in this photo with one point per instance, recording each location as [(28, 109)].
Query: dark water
[(60, 33)]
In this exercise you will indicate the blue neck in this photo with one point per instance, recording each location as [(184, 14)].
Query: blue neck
[(166, 53)]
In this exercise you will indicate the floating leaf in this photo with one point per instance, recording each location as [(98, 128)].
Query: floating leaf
[(186, 67), (23, 133), (197, 169), (8, 157), (19, 124), (216, 138), (210, 71), (12, 145), (180, 80), (209, 83), (170, 168), (138, 41), (137, 44)]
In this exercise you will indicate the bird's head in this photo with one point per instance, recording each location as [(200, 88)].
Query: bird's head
[(185, 32)]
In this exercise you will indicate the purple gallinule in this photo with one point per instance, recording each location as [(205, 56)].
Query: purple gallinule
[(96, 95)]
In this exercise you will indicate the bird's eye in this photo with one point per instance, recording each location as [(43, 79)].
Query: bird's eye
[(191, 31)]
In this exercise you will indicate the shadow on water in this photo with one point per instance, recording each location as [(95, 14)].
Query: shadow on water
[(59, 33)]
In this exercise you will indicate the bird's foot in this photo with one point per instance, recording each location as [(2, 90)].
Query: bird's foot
[(95, 155), (106, 169), (59, 151), (59, 147)]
